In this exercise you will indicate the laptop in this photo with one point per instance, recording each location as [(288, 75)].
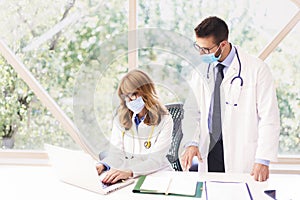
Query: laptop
[(79, 169)]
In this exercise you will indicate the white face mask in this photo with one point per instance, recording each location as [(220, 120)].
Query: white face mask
[(136, 106)]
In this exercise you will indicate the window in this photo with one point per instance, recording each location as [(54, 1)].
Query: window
[(78, 49), (253, 25), (285, 66), (58, 42)]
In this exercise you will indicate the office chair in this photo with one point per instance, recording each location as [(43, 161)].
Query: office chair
[(176, 110)]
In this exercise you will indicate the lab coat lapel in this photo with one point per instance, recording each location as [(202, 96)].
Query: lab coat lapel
[(233, 70), (210, 78)]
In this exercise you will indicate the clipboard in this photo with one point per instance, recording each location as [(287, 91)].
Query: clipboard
[(138, 189)]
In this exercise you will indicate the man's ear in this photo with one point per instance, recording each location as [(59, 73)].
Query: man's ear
[(221, 47), (223, 43)]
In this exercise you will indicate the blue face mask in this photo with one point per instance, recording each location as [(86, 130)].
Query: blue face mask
[(209, 58)]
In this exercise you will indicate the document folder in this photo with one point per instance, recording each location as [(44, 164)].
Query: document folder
[(168, 186)]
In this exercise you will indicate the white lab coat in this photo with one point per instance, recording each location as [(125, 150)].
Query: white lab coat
[(144, 160), (250, 129)]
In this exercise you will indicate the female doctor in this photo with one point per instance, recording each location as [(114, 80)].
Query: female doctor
[(249, 111), (142, 131)]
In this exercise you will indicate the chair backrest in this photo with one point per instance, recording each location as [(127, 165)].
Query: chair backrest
[(176, 110)]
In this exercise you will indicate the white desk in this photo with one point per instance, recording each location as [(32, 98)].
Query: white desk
[(36, 183)]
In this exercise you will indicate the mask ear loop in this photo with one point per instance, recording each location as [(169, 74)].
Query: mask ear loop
[(218, 50)]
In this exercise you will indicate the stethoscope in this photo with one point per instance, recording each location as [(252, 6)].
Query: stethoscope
[(234, 79), (147, 144)]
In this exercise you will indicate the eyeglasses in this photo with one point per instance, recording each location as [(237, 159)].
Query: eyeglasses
[(203, 50), (130, 96)]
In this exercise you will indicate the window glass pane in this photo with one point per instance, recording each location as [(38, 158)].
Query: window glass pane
[(56, 40), (97, 119), (252, 25), (169, 72), (284, 63)]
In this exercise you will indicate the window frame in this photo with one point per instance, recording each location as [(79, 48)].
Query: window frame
[(31, 157)]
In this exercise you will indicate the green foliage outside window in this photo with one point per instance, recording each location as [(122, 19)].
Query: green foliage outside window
[(57, 61), (14, 101)]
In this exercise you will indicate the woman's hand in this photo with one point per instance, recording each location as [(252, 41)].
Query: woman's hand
[(100, 168), (114, 175)]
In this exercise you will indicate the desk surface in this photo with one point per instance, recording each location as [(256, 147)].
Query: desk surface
[(35, 183)]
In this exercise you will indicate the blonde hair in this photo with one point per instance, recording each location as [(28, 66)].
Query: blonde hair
[(138, 81)]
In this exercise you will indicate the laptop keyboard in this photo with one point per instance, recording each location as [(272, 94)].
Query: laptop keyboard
[(104, 185)]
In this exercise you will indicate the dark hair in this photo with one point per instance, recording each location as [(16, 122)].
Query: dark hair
[(212, 26)]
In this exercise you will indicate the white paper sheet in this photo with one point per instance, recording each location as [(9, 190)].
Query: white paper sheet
[(159, 184), (170, 185), (226, 190), (183, 186)]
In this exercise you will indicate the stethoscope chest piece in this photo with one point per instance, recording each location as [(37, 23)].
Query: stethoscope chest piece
[(147, 144), (126, 157)]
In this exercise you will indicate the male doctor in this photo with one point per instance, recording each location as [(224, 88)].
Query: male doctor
[(232, 123)]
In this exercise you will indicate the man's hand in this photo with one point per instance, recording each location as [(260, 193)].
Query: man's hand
[(187, 157), (260, 172), (114, 175)]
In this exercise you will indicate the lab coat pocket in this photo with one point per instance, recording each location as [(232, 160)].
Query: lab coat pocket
[(232, 97), (242, 100), (248, 92)]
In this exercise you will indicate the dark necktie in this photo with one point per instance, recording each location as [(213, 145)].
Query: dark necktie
[(216, 155), (216, 116)]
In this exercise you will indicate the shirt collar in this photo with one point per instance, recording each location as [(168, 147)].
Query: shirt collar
[(137, 120), (228, 60)]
